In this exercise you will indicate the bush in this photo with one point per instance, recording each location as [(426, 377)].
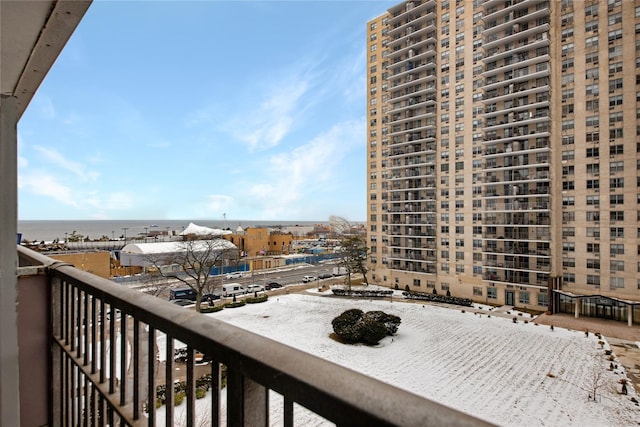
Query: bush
[(200, 393), (356, 326), (434, 297), (371, 332), (390, 322), (235, 304), (213, 309), (179, 398), (255, 300), (362, 293)]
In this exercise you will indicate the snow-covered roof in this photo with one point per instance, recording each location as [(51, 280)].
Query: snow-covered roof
[(200, 230), (177, 247)]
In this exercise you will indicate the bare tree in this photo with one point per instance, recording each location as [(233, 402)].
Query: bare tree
[(594, 381), (191, 262), (353, 250), (154, 282)]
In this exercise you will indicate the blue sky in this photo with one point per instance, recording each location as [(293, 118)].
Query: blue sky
[(200, 109)]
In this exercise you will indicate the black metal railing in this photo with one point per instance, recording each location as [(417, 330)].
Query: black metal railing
[(106, 366)]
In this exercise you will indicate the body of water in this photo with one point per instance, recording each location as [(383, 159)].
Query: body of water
[(95, 229)]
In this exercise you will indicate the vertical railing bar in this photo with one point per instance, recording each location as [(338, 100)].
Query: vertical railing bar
[(151, 381), (61, 318), (191, 386), (94, 338), (72, 319), (85, 328), (136, 368), (169, 382), (94, 411), (102, 411), (56, 391), (123, 355), (215, 393), (85, 401), (79, 393), (67, 312), (235, 397), (78, 324), (78, 328), (103, 344), (110, 414), (64, 389), (72, 395), (112, 351), (288, 412)]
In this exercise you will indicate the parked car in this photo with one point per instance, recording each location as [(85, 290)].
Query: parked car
[(272, 285), (182, 293), (325, 276), (210, 297), (307, 279), (234, 275), (231, 289), (255, 288)]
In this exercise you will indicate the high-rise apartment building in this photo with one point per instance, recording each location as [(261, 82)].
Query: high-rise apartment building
[(504, 152)]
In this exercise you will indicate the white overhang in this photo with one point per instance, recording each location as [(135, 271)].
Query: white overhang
[(32, 35)]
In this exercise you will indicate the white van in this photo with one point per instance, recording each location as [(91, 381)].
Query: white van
[(231, 289)]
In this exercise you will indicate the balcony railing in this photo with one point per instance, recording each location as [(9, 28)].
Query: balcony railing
[(104, 370)]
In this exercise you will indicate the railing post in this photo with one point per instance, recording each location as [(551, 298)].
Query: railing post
[(247, 401), (56, 356), (9, 382)]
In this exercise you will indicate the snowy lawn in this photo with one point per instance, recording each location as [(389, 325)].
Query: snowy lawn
[(511, 374)]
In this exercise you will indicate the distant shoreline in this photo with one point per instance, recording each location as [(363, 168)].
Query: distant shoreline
[(49, 230)]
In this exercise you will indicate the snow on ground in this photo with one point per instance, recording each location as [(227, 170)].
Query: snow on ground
[(504, 372)]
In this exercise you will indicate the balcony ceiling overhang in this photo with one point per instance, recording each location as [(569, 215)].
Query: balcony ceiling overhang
[(32, 35)]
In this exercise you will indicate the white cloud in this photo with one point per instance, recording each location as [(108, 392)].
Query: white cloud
[(43, 184), (59, 160), (307, 169), (120, 200), (270, 122), (218, 203)]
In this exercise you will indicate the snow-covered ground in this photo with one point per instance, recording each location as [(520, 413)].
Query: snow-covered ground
[(504, 372)]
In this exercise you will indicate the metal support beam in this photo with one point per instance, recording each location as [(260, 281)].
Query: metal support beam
[(9, 382)]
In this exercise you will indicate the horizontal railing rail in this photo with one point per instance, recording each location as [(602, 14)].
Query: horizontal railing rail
[(106, 366)]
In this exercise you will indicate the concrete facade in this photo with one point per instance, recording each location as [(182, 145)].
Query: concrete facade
[(503, 159)]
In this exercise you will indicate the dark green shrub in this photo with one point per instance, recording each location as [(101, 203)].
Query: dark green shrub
[(371, 332), (179, 398), (211, 309), (255, 300), (356, 326), (390, 322), (407, 288), (200, 393), (345, 325), (235, 304)]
